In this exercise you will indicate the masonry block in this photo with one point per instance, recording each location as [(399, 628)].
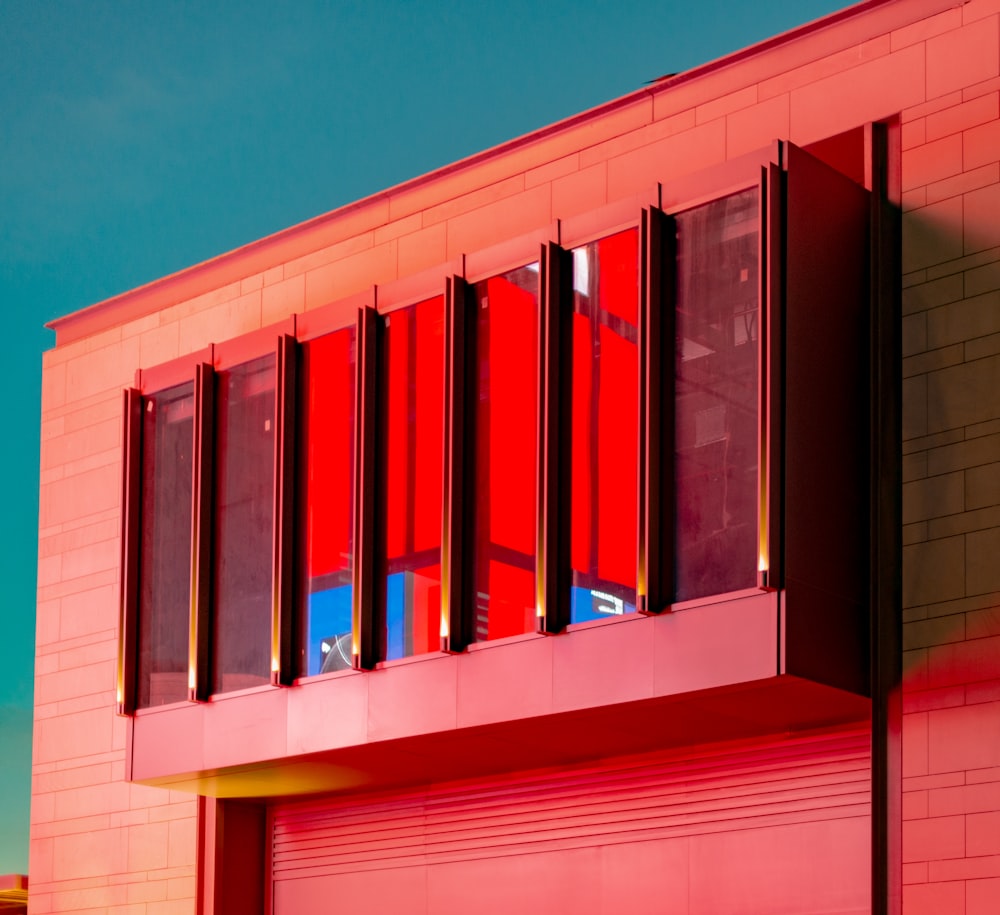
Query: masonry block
[(932, 161), (959, 58), (982, 570), (981, 226), (964, 738), (933, 571)]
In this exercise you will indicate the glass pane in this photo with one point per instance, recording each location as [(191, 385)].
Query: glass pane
[(326, 502), (505, 431), (413, 382), (716, 396), (243, 536), (165, 556), (605, 427)]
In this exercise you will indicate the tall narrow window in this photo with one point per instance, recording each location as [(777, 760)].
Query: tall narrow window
[(505, 453), (412, 443), (716, 373), (604, 420), (326, 498), (165, 550), (243, 525)]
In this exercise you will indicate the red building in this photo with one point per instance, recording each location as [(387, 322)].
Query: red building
[(606, 522)]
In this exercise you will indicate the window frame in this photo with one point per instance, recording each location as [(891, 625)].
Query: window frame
[(649, 213), (201, 367), (357, 311), (443, 280), (481, 266)]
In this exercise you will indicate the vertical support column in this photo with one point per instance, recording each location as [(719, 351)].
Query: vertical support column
[(770, 373), (283, 669), (131, 533), (199, 675), (232, 876), (654, 581), (555, 341), (457, 490), (882, 146), (364, 641)]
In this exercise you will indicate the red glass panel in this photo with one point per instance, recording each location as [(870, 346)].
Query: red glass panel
[(716, 388), (326, 501), (505, 459), (243, 525), (616, 466), (511, 601), (604, 426), (413, 384), (165, 551)]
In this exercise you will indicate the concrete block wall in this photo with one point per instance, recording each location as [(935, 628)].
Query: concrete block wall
[(98, 843), (951, 467)]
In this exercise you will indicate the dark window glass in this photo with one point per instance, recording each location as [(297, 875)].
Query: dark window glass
[(326, 499), (604, 438), (505, 454), (716, 396), (243, 534), (165, 553), (413, 384)]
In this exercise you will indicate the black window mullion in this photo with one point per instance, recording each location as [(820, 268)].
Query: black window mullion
[(369, 413), (283, 669), (199, 672), (656, 413), (458, 490), (770, 571), (131, 534), (555, 343)]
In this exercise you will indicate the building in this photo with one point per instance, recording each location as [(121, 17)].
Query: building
[(606, 522), (13, 894)]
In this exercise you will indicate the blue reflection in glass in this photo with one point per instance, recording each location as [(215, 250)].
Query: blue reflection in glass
[(328, 640), (395, 615), (588, 604)]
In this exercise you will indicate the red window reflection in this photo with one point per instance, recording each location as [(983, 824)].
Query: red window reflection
[(326, 502), (413, 385), (505, 455), (604, 438)]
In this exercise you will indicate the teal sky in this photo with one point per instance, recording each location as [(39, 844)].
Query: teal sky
[(139, 138)]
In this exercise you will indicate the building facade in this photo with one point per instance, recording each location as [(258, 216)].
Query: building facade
[(606, 522)]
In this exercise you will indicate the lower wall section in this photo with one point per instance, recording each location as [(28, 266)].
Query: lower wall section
[(778, 826)]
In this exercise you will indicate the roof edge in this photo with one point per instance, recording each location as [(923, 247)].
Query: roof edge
[(230, 266)]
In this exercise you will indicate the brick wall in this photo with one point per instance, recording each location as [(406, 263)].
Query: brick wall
[(951, 466), (99, 844)]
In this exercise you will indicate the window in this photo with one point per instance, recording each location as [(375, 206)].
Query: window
[(243, 525), (411, 458), (326, 503), (605, 427), (504, 428), (204, 558), (716, 396), (165, 552), (598, 431)]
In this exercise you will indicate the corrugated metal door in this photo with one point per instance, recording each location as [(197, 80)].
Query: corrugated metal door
[(780, 827)]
